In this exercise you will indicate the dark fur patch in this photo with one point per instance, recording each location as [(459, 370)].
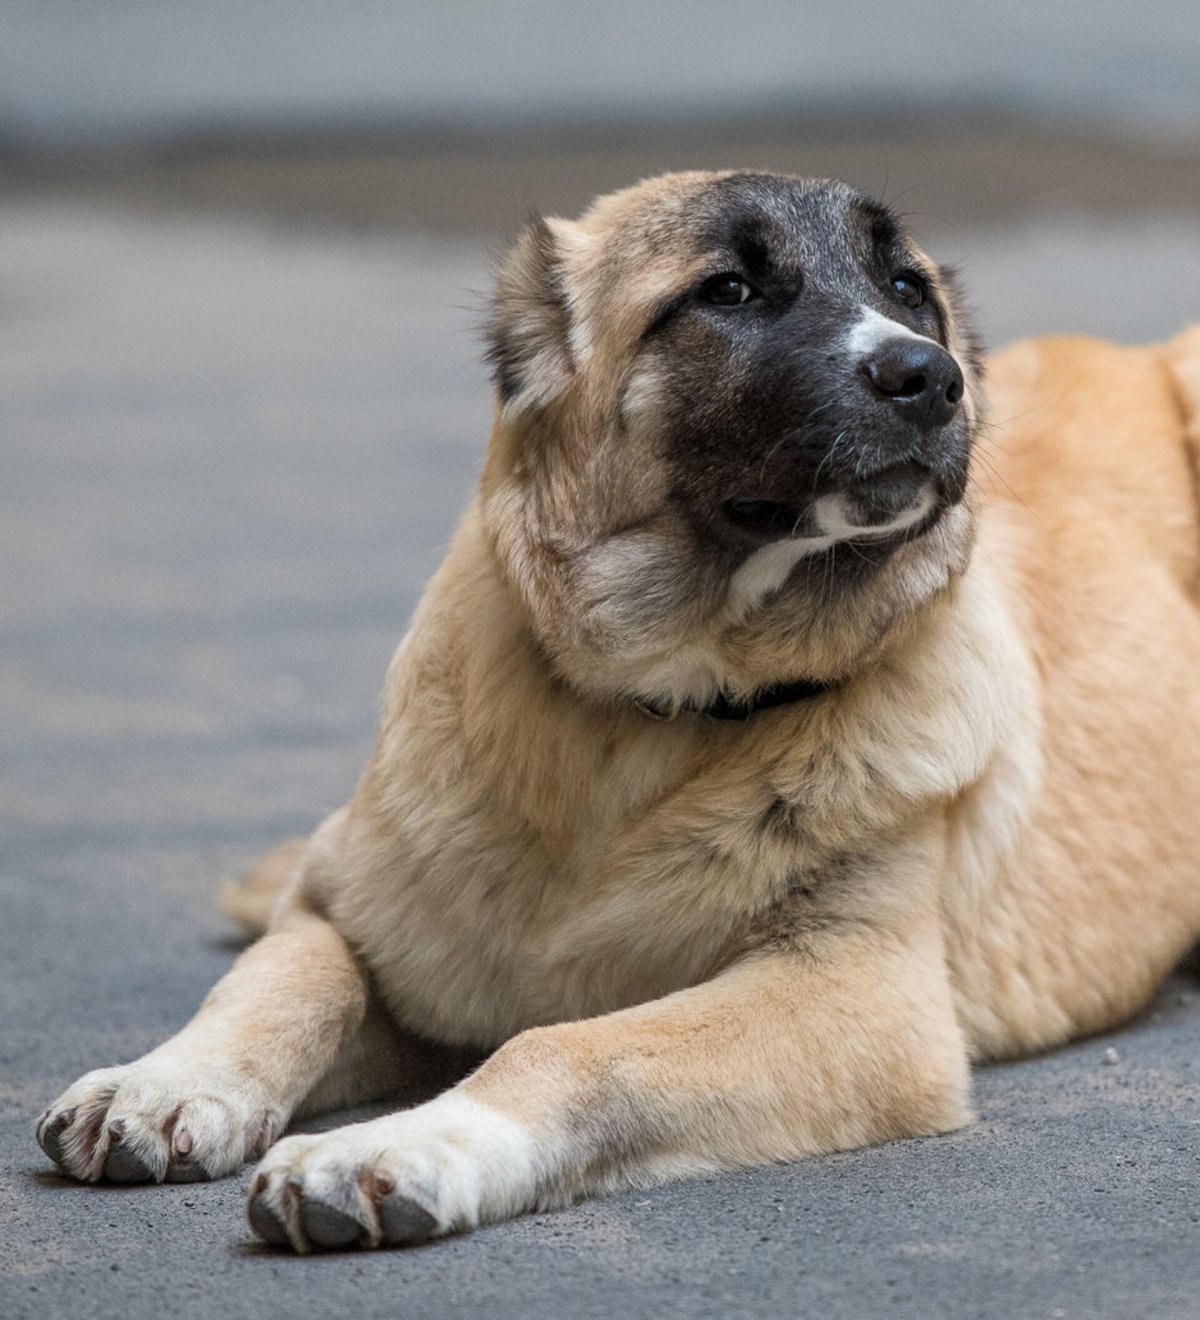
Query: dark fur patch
[(779, 820), (762, 402), (802, 884), (811, 902)]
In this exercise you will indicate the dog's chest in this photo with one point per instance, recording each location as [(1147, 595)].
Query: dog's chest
[(498, 928)]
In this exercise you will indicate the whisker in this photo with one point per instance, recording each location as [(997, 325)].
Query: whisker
[(833, 448), (997, 475)]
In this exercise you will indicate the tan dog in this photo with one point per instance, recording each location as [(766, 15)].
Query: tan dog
[(748, 769)]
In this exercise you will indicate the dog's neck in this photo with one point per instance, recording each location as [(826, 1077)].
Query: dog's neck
[(608, 627), (725, 707)]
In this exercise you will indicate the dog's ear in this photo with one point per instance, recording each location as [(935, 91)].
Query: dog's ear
[(529, 327)]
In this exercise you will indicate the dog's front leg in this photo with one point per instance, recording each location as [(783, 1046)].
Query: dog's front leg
[(221, 1090), (844, 1037)]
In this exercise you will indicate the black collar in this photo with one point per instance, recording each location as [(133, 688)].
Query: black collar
[(723, 708)]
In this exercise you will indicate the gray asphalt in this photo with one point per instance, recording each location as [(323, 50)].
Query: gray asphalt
[(233, 450)]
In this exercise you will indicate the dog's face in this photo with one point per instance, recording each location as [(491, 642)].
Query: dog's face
[(735, 429)]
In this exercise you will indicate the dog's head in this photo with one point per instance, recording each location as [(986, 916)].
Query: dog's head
[(733, 434)]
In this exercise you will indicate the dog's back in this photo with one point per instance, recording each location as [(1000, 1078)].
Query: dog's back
[(1089, 480)]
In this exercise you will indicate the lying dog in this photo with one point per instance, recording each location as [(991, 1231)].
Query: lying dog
[(754, 762)]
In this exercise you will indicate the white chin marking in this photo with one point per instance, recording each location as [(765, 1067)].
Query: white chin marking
[(872, 329), (770, 566)]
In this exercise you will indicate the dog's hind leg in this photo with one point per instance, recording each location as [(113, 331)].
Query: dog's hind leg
[(841, 1038), (293, 1007), (251, 900)]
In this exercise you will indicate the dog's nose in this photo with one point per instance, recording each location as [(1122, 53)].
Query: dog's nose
[(920, 378)]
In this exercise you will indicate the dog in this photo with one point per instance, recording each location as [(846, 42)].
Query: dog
[(782, 734)]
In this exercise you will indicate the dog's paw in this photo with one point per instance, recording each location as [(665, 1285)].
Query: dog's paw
[(443, 1167), (156, 1120)]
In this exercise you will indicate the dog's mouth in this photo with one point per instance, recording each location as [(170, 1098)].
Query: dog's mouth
[(765, 518), (895, 493), (886, 503)]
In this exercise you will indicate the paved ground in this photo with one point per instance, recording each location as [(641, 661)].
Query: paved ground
[(233, 449)]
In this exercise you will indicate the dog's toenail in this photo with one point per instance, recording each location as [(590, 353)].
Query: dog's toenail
[(325, 1226), (183, 1141), (262, 1142), (187, 1171), (123, 1166), (50, 1133), (116, 1129), (376, 1184), (264, 1221), (403, 1221)]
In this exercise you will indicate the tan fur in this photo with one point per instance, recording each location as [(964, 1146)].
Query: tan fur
[(711, 944), (252, 899)]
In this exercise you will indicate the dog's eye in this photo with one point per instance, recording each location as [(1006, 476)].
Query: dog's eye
[(727, 290), (910, 289)]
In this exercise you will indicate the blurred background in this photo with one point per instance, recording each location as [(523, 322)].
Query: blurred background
[(1020, 137), (244, 246)]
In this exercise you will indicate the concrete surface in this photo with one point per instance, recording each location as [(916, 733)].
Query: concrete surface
[(232, 451)]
